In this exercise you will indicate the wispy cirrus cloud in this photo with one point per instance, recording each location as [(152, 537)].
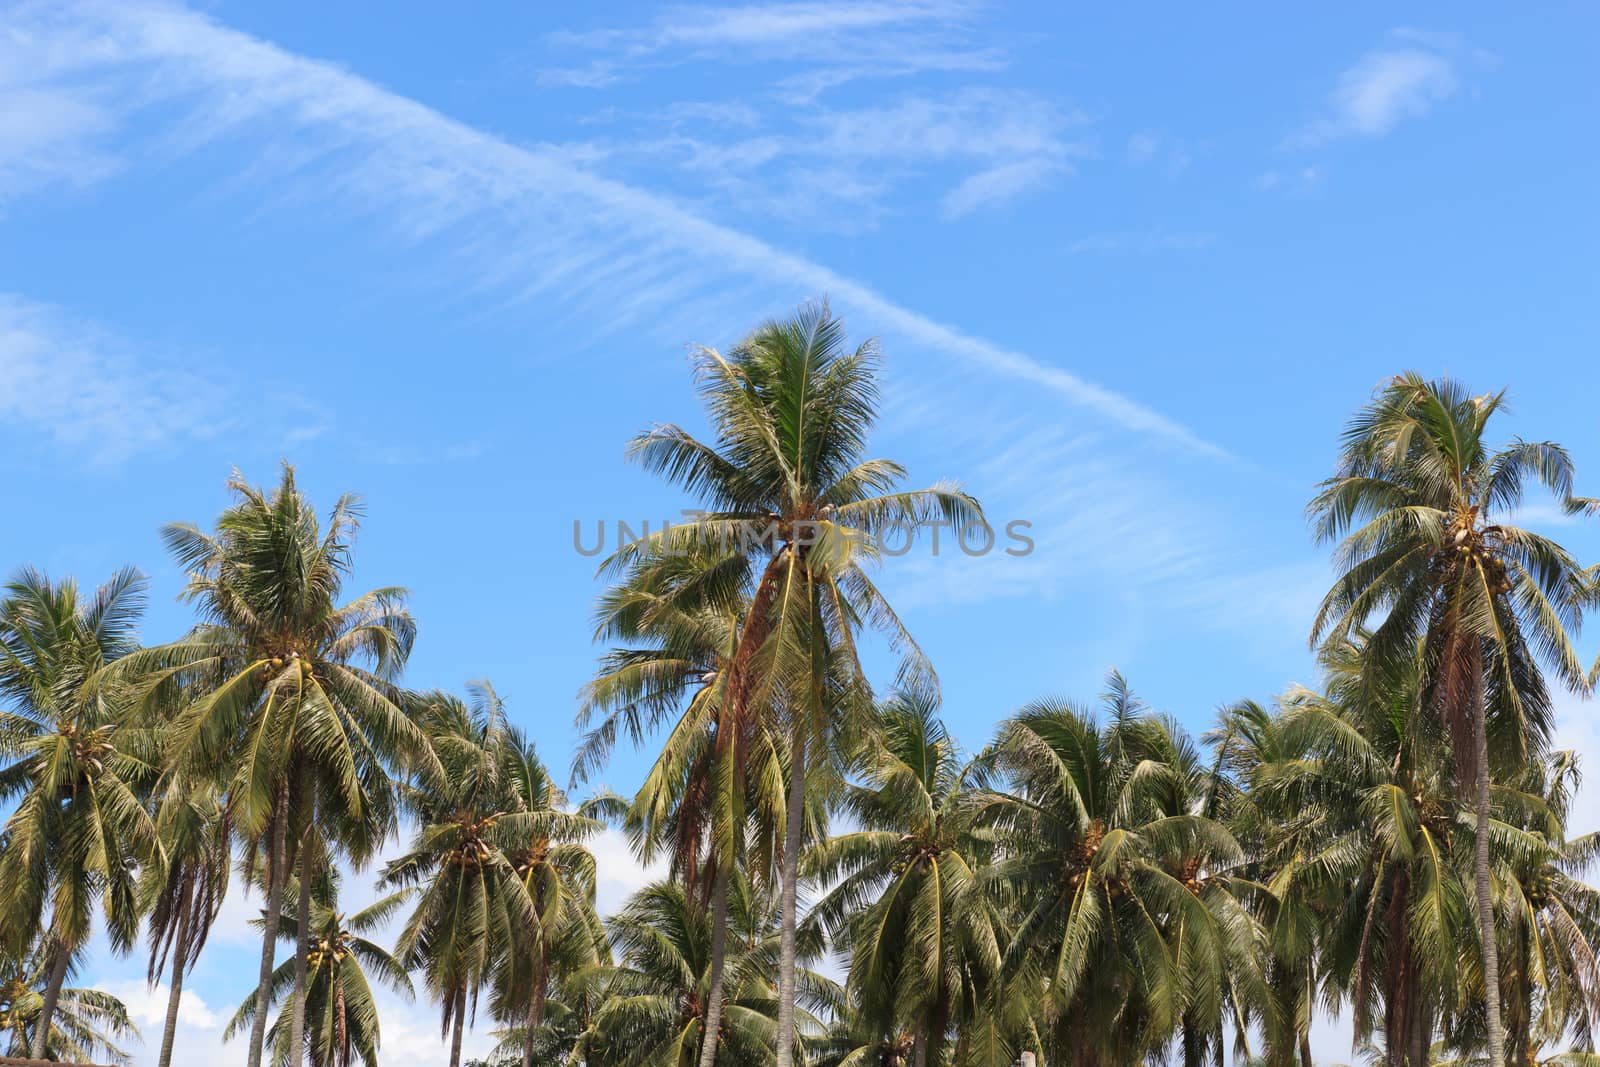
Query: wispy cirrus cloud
[(834, 159), (1405, 78), (525, 221), (881, 38), (1000, 184), (85, 390), (783, 149)]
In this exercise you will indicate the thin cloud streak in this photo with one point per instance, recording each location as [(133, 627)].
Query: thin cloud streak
[(80, 388), (645, 244)]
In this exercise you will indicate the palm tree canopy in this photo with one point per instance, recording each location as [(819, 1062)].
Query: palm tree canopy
[(88, 1024), (74, 766), (1421, 507)]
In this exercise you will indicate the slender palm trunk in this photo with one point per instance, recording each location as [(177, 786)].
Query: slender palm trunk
[(536, 1009), (919, 1051), (1305, 1050), (719, 941), (460, 1023), (794, 825), (60, 958), (277, 871), (302, 921), (180, 953), (1480, 868)]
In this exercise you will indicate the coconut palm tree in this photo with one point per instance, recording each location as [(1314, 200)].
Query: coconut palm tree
[(653, 1014), (497, 863), (907, 900), (1549, 918), (74, 772), (470, 903), (1419, 505), (85, 1025), (183, 894), (299, 692), (788, 488), (557, 873), (342, 1024), (1126, 921), (715, 780), (1386, 873), (1282, 831)]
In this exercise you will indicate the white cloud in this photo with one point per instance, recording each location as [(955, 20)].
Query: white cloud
[(83, 389), (526, 219), (840, 166), (998, 185), (45, 137), (617, 873), (1405, 79), (147, 1005), (837, 41)]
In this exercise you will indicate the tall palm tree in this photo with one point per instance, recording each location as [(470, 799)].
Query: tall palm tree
[(1550, 919), (677, 625), (1418, 505), (75, 773), (907, 900), (184, 894), (1279, 833), (85, 1024), (787, 487), (341, 1014), (497, 863), (557, 872), (1126, 917), (1383, 872), (470, 903), (300, 698)]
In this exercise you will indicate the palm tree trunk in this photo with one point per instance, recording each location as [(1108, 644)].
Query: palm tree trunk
[(919, 1051), (794, 824), (719, 941), (302, 922), (455, 1036), (277, 871), (60, 958), (1305, 1050), (536, 1009), (180, 950), (1480, 865)]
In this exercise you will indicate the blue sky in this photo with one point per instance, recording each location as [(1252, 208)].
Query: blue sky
[(1130, 270)]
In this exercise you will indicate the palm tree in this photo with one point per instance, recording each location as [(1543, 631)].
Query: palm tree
[(300, 699), (1418, 506), (679, 626), (1382, 872), (787, 487), (184, 894), (471, 904), (78, 830), (1550, 919), (557, 873), (655, 1002), (1126, 920), (1281, 832), (341, 1014), (907, 900), (497, 864), (85, 1024)]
